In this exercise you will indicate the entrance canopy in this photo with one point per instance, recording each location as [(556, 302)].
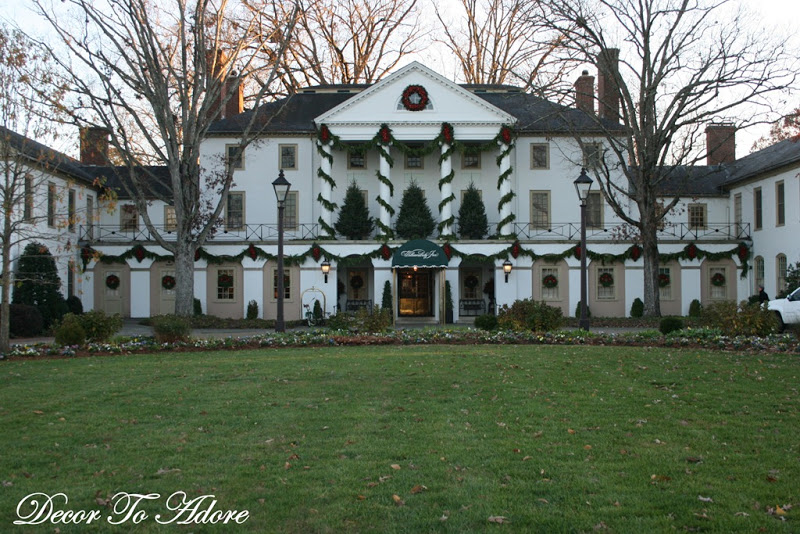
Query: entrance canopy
[(419, 253)]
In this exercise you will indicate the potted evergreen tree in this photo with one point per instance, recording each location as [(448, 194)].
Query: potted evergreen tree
[(448, 303), (472, 221), (354, 221), (415, 220)]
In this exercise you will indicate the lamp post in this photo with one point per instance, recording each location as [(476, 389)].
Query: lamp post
[(582, 185), (281, 186)]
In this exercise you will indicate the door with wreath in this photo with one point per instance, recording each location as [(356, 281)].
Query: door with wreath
[(166, 288), (111, 288)]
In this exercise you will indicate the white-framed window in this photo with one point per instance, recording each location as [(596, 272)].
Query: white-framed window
[(758, 215), (471, 284), (665, 291), (52, 198), (781, 265), (287, 284), (288, 156), (356, 160), (758, 269), (415, 161), (128, 218), (780, 204), (71, 210), (737, 211), (592, 155), (471, 160), (697, 216), (540, 209), (226, 284), (234, 157), (605, 292), (549, 293), (27, 210), (540, 156), (234, 210), (90, 216), (594, 210), (170, 219), (290, 211), (718, 291)]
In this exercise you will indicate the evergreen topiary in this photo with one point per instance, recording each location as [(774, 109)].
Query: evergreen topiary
[(637, 308), (386, 298), (695, 308), (670, 324), (415, 220), (38, 284), (252, 310), (472, 221), (354, 221)]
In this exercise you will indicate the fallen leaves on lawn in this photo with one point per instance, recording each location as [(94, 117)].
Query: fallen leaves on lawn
[(499, 519), (704, 499), (166, 471), (419, 488), (398, 501), (396, 467)]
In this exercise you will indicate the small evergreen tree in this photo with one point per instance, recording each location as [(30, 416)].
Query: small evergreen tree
[(472, 221), (354, 221), (415, 220), (386, 299), (38, 284)]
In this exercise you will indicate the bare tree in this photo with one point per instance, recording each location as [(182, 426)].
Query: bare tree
[(160, 73), (344, 41), (682, 64), (506, 42)]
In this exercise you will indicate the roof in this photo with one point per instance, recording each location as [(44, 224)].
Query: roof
[(773, 157), (693, 180), (48, 158), (156, 177)]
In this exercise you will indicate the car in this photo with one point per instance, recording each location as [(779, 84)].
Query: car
[(786, 310)]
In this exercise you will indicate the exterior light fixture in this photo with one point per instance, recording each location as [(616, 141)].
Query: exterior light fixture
[(281, 186), (583, 184), (326, 268), (507, 266)]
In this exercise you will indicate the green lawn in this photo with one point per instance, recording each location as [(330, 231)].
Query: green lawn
[(550, 438)]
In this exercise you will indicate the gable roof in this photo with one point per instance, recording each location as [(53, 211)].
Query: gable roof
[(769, 159), (43, 156)]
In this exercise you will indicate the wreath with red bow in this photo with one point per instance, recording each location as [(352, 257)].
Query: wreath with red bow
[(112, 281), (718, 280), (663, 280), (225, 280), (168, 282), (550, 281), (415, 98), (606, 280), (471, 282)]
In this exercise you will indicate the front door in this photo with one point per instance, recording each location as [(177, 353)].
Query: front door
[(416, 293), (166, 295)]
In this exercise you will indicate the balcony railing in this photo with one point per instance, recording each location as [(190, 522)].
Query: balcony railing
[(97, 234)]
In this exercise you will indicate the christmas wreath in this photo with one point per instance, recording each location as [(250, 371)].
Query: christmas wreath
[(415, 98), (168, 282), (606, 280), (225, 280), (112, 281), (663, 280), (356, 282), (718, 280), (549, 281), (471, 282)]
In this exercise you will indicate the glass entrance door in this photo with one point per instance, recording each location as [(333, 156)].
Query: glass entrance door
[(416, 288)]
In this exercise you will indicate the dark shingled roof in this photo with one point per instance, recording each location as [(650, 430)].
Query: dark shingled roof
[(693, 180), (46, 157), (769, 159), (156, 176)]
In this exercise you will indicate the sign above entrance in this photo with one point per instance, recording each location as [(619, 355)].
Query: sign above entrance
[(420, 253)]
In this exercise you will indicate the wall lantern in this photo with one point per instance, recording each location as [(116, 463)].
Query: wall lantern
[(326, 268), (507, 269)]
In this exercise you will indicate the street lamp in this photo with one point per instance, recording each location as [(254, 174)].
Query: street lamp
[(582, 185), (507, 269), (326, 268), (281, 186)]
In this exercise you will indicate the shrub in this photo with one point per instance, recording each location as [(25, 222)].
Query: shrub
[(695, 308), (448, 302), (378, 321), (354, 221), (487, 321), (171, 328), (98, 326), (472, 221), (37, 283), (317, 311), (25, 320), (74, 305), (252, 310), (69, 331), (386, 298), (198, 308), (670, 324), (414, 221), (743, 319), (529, 315), (339, 321), (637, 308), (578, 310)]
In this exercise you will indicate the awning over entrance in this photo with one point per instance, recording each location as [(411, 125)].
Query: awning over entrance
[(420, 253)]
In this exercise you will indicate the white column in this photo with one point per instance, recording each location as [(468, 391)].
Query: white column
[(505, 188), (325, 187), (385, 192), (447, 190)]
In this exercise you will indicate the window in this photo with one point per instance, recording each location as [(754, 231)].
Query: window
[(170, 219), (234, 211), (697, 216), (594, 210), (70, 278), (51, 205), (226, 284), (592, 155), (287, 284), (540, 209), (356, 160), (780, 204), (128, 218), (737, 212), (759, 215), (89, 217), (665, 289), (781, 267), (27, 213), (549, 293), (758, 267), (235, 157), (471, 287), (471, 160), (415, 161), (288, 156), (290, 211), (540, 156), (605, 291), (719, 291), (71, 210)]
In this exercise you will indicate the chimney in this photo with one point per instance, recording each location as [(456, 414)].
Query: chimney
[(607, 88), (584, 92), (234, 94), (94, 145), (720, 143)]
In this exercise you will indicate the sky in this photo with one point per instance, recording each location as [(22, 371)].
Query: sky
[(775, 15)]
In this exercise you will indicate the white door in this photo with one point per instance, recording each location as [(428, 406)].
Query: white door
[(113, 295), (167, 296)]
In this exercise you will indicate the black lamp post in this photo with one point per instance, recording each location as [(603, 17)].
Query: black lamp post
[(582, 185), (281, 186)]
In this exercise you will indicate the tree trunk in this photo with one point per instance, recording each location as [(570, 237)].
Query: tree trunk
[(5, 308), (184, 278), (652, 302)]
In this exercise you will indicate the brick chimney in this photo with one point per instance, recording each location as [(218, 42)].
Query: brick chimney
[(720, 143), (607, 88), (584, 92), (94, 145), (234, 92)]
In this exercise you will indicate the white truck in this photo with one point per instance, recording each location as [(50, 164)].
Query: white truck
[(786, 310)]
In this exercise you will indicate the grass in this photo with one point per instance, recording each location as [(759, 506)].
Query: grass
[(550, 438)]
